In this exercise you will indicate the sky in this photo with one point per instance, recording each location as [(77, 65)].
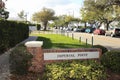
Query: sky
[(61, 7)]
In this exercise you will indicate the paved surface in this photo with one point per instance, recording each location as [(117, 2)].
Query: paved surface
[(4, 66), (4, 61), (111, 43)]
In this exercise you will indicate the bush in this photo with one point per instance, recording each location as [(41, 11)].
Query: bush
[(75, 70), (38, 26), (111, 60), (104, 49), (20, 61)]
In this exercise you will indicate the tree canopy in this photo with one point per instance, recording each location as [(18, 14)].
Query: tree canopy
[(3, 13), (64, 20), (22, 15), (101, 10), (44, 16)]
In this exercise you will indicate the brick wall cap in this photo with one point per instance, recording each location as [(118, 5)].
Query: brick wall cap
[(34, 43)]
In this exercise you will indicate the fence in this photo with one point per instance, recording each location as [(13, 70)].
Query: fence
[(72, 35)]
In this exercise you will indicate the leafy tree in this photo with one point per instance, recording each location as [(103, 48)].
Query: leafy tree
[(44, 16), (22, 15), (52, 25), (101, 10), (3, 13), (69, 19), (64, 20), (60, 21)]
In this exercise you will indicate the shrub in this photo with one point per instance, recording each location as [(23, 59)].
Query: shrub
[(38, 26), (104, 49), (111, 60), (74, 70), (20, 60)]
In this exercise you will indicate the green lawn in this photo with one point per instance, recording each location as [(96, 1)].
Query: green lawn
[(59, 41)]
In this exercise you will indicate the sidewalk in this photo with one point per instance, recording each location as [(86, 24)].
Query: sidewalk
[(30, 38), (4, 61)]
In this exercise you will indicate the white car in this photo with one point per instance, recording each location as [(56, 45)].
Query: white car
[(113, 32)]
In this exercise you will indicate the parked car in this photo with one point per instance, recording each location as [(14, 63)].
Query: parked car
[(89, 30), (113, 32), (99, 31), (76, 30), (82, 29)]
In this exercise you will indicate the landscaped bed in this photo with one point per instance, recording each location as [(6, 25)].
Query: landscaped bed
[(72, 70)]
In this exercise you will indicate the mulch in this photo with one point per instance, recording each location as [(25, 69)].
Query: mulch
[(29, 76), (113, 76)]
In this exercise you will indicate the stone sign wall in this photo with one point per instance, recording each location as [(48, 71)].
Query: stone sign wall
[(43, 56)]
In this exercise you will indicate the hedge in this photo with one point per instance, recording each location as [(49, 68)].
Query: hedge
[(11, 33)]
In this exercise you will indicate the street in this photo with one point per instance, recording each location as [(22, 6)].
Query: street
[(112, 43)]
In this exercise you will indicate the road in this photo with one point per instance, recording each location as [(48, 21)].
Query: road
[(111, 43)]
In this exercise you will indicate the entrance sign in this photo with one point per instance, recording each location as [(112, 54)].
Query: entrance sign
[(42, 57), (71, 55)]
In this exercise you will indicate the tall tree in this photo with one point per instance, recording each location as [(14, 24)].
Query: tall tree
[(3, 13), (44, 16), (22, 15), (101, 10), (64, 20), (60, 21), (68, 19)]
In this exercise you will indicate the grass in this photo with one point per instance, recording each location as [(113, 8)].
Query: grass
[(59, 41)]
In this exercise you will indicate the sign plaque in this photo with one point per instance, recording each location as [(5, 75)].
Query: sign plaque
[(71, 55)]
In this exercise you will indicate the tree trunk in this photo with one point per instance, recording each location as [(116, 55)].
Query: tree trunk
[(107, 26), (85, 25), (45, 25)]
